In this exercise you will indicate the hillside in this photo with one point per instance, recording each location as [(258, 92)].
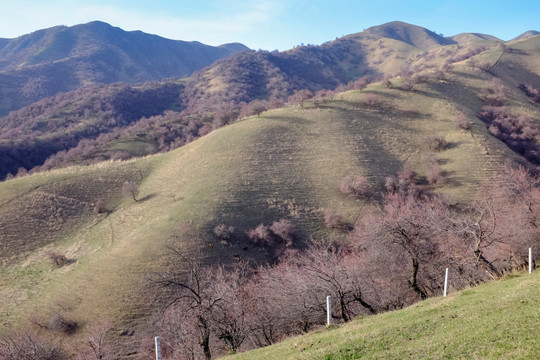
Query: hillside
[(526, 34), (287, 163), (72, 247), (61, 59), (389, 50), (492, 321)]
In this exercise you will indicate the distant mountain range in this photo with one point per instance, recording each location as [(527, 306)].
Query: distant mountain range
[(61, 58), (41, 64)]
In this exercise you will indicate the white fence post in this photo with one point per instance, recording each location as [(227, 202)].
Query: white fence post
[(446, 283), (158, 348), (530, 261), (328, 310)]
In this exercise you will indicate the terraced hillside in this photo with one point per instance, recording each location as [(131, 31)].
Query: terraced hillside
[(287, 163)]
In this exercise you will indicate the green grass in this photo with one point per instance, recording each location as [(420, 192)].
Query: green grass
[(498, 320)]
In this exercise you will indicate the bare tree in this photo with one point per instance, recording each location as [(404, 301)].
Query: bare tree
[(501, 218), (284, 229), (331, 270), (29, 346), (261, 235), (130, 189), (97, 342), (208, 303), (300, 97), (406, 229), (357, 187), (461, 121)]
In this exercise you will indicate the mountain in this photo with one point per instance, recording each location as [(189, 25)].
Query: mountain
[(467, 38), (386, 50), (61, 58), (526, 34), (286, 163), (413, 35)]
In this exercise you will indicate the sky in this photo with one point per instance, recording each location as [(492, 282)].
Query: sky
[(272, 24)]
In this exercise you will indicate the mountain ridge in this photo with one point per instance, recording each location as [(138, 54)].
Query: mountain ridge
[(62, 58)]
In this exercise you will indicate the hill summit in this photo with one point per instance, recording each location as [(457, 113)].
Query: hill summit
[(61, 58)]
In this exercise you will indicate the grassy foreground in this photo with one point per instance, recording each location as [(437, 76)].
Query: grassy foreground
[(499, 320)]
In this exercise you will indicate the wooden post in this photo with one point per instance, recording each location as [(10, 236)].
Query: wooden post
[(530, 261), (328, 310), (158, 348), (446, 283)]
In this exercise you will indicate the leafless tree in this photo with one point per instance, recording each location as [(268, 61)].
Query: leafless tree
[(284, 229), (29, 346), (357, 187), (300, 97), (130, 189), (97, 343), (337, 271), (406, 229)]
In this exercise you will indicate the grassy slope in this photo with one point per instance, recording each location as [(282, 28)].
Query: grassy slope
[(493, 321), (287, 163)]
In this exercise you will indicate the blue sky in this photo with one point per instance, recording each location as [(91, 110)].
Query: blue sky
[(272, 24)]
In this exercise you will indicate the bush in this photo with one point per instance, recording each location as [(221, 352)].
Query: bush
[(99, 207), (435, 143), (518, 131), (59, 323), (284, 229), (260, 235), (57, 259), (28, 345), (130, 190), (333, 220), (223, 231), (357, 187), (495, 93), (435, 175), (530, 91), (371, 100), (461, 122)]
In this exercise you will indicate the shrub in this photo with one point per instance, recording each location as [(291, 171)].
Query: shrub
[(434, 143), (130, 190), (333, 220), (461, 122), (530, 91), (27, 345), (223, 231), (403, 183), (260, 235), (121, 155), (371, 100), (57, 259), (434, 174), (284, 229), (518, 131), (495, 93), (99, 207), (357, 187), (59, 323)]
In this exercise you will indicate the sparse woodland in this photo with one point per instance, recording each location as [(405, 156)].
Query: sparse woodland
[(406, 229), (393, 258)]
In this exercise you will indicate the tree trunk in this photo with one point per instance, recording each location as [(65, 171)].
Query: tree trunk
[(486, 263), (204, 338), (413, 279)]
